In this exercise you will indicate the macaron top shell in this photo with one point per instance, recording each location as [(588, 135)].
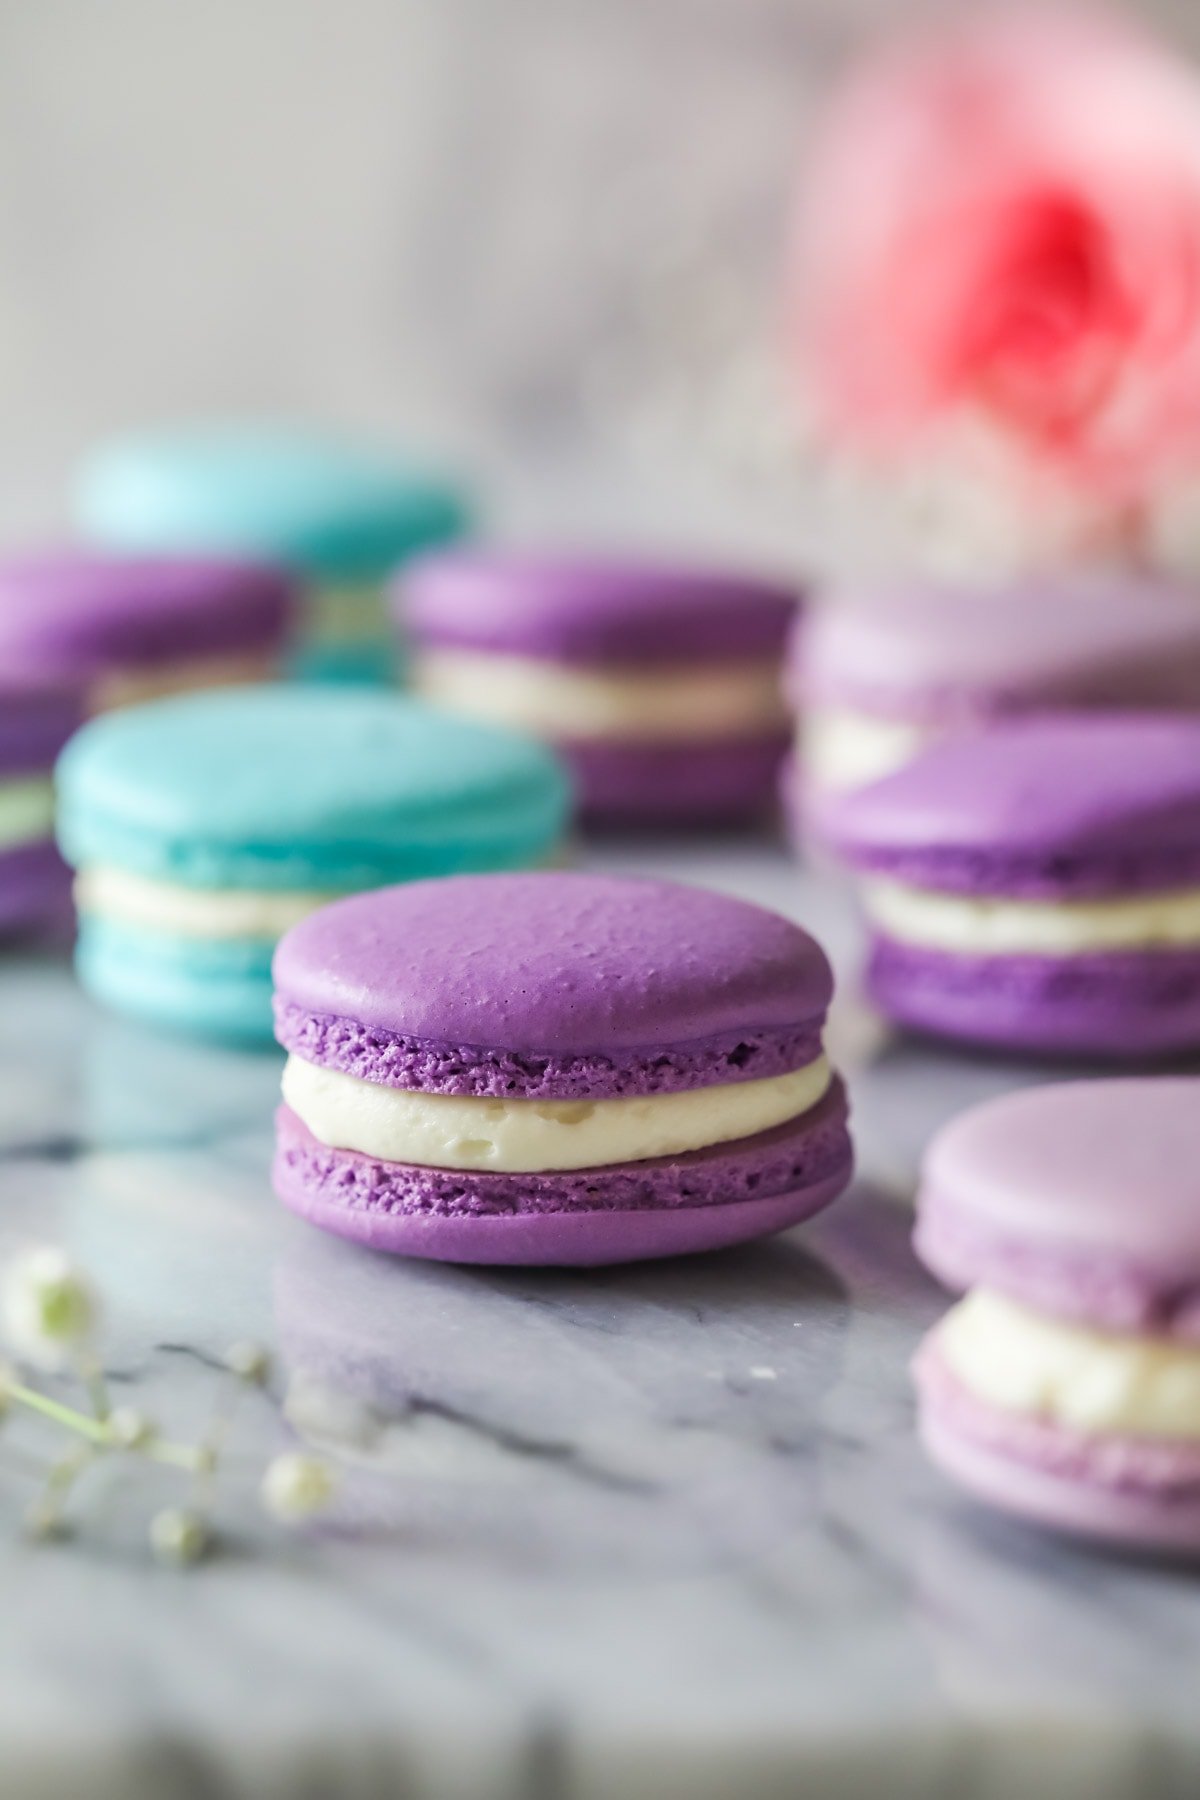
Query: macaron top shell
[(1081, 1198), (937, 652), (337, 510), (304, 787), (590, 610), (560, 969), (1087, 804), (77, 613)]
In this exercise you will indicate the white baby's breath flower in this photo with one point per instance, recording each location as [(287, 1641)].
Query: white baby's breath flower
[(249, 1362), (130, 1429), (49, 1307), (296, 1486), (177, 1536)]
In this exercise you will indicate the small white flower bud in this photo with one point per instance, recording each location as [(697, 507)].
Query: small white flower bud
[(44, 1521), (48, 1306), (178, 1537), (129, 1429), (249, 1362), (296, 1486)]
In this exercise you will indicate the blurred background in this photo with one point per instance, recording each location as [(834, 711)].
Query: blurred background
[(541, 235)]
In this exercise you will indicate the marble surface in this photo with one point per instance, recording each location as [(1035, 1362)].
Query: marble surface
[(661, 1531)]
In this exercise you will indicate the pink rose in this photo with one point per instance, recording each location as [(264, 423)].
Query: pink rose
[(1003, 222)]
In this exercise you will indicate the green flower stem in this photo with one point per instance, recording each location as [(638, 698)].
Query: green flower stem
[(68, 1416), (93, 1380), (180, 1456)]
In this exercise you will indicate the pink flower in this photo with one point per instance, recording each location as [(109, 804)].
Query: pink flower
[(1002, 222)]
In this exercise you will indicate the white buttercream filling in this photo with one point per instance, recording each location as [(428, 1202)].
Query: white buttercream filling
[(167, 906), (729, 700), (839, 748), (26, 811), (129, 687), (1092, 1381), (446, 1131), (983, 925)]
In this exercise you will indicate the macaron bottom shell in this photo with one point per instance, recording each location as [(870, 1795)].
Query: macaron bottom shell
[(219, 989), (704, 1200), (1053, 1478), (690, 784), (1110, 1005), (35, 889)]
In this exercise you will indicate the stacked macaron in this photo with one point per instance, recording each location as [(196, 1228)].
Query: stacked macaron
[(204, 826), (1066, 1386), (340, 515), (875, 674), (659, 685), (35, 723), (119, 628), (554, 1068), (1037, 885)]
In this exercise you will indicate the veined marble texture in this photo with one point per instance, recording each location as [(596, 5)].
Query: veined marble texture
[(661, 1531)]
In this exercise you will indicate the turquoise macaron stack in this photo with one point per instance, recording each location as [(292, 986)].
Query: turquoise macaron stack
[(202, 827), (340, 516)]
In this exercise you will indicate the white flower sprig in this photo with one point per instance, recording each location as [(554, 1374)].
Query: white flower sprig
[(50, 1314)]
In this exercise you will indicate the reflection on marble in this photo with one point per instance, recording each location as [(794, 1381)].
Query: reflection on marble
[(661, 1531)]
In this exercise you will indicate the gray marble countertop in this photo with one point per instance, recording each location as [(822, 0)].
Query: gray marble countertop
[(658, 1531)]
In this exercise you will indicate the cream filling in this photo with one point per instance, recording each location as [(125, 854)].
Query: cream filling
[(985, 926), (345, 613), (729, 700), (129, 687), (444, 1131), (26, 811), (845, 749), (168, 906), (1092, 1381)]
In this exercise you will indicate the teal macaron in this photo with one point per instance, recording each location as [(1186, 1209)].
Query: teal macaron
[(340, 515), (203, 827)]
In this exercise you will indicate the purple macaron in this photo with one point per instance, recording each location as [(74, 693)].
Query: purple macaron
[(127, 628), (554, 1069), (876, 673), (661, 686), (1036, 886), (1066, 1386), (35, 723)]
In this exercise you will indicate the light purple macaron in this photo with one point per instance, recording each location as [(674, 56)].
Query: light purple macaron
[(127, 628), (554, 1068), (876, 673), (1036, 886), (660, 685), (1066, 1386), (35, 723)]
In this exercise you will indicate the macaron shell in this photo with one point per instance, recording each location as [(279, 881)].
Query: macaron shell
[(1083, 1197), (302, 788), (318, 504), (1091, 804), (78, 613), (35, 723), (1117, 1006), (35, 889), (678, 784), (941, 654), (592, 611), (554, 963), (215, 989)]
